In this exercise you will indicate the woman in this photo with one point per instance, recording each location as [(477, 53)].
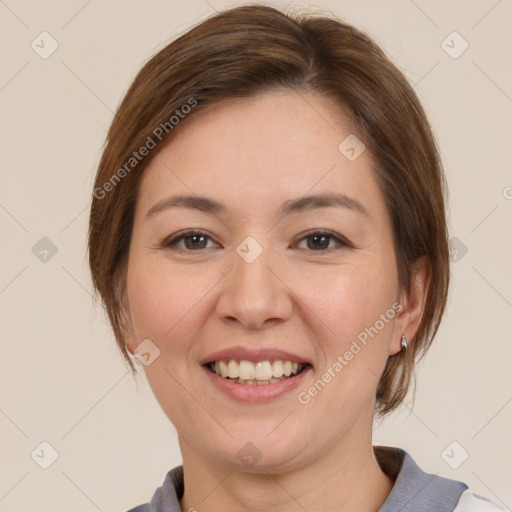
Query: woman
[(268, 236)]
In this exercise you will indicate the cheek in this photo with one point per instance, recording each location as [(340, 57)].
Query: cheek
[(165, 303), (351, 299), (355, 306), (169, 307)]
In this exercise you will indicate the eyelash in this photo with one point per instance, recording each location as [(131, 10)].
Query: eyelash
[(171, 243)]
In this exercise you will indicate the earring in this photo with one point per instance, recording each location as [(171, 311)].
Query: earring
[(404, 343)]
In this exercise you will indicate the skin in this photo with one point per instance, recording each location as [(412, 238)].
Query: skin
[(253, 154)]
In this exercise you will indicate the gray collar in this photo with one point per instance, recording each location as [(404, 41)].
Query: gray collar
[(413, 491)]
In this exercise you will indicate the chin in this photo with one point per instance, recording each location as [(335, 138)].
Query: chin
[(257, 452)]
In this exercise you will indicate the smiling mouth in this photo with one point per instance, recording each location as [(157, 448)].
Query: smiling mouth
[(256, 374)]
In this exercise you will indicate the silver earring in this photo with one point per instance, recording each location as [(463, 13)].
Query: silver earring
[(404, 343)]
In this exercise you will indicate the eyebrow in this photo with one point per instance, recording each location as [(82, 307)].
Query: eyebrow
[(292, 206)]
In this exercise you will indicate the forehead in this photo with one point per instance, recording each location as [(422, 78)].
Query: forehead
[(258, 150)]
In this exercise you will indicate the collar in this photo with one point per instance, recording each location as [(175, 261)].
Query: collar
[(413, 491)]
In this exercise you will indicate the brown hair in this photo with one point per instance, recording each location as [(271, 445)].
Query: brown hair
[(252, 49)]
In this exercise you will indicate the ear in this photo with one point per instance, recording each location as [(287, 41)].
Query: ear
[(413, 305)]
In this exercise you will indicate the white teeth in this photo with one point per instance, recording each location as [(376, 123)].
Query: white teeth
[(246, 370), (277, 369), (262, 372), (233, 370), (223, 369)]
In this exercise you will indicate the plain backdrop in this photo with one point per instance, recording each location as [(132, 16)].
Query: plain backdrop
[(63, 382)]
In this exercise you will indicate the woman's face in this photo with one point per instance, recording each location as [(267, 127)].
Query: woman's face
[(293, 262)]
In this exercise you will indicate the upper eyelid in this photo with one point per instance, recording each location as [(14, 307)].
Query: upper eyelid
[(186, 233)]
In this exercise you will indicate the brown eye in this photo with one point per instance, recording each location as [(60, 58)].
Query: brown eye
[(319, 241), (192, 241)]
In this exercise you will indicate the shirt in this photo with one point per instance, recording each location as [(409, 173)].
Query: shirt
[(413, 490)]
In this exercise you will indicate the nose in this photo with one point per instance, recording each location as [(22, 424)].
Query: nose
[(254, 294)]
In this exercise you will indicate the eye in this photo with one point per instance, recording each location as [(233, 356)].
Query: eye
[(193, 240), (316, 240), (319, 240)]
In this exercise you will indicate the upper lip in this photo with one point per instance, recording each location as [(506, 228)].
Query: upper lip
[(254, 355)]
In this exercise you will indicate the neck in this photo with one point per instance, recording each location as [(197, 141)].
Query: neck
[(347, 479)]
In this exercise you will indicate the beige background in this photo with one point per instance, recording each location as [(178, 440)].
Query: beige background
[(62, 380)]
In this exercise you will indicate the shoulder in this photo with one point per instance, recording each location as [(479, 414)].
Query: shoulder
[(166, 497), (471, 502), (415, 490)]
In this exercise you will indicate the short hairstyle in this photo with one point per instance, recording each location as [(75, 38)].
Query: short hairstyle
[(253, 49)]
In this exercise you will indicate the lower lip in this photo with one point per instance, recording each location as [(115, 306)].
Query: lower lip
[(256, 393)]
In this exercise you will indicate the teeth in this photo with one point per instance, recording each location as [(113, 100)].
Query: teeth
[(277, 369), (246, 370), (223, 369), (233, 370), (262, 372)]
